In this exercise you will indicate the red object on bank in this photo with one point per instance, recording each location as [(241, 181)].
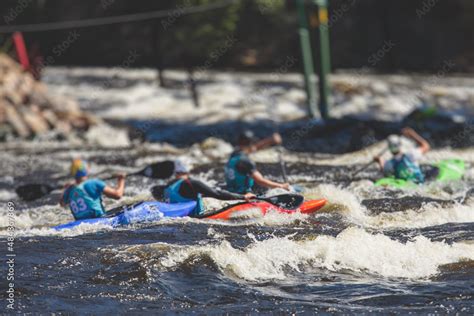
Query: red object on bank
[(21, 50)]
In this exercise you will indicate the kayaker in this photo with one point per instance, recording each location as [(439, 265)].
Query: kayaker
[(404, 164), (184, 189), (241, 172), (84, 195)]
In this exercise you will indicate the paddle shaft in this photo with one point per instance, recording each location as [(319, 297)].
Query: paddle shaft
[(138, 173), (282, 164), (370, 163)]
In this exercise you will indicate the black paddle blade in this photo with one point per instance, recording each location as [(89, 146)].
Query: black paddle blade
[(158, 192), (287, 201), (159, 170), (30, 192)]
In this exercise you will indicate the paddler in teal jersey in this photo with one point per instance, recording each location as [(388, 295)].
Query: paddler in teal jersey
[(404, 164), (185, 189), (84, 196), (241, 172)]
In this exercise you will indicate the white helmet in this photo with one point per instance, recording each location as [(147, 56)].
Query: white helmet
[(394, 144), (180, 167)]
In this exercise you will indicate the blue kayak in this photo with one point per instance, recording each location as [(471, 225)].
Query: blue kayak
[(143, 212)]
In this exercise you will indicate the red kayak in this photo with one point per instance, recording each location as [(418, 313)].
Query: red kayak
[(258, 209)]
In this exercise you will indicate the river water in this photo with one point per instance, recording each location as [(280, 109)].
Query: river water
[(371, 250)]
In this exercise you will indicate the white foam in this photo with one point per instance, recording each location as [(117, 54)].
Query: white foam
[(430, 214), (107, 136), (347, 203), (7, 195), (82, 229), (354, 249), (44, 215), (224, 97), (340, 200)]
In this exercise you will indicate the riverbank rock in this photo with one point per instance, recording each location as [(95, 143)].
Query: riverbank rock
[(28, 110)]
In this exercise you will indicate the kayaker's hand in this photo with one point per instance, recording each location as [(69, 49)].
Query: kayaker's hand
[(249, 196), (277, 139), (285, 186), (121, 176), (408, 132)]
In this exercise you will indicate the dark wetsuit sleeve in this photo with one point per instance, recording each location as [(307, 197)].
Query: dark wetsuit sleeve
[(206, 191), (246, 166)]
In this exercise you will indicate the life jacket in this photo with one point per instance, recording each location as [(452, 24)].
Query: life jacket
[(172, 195), (237, 182), (407, 169), (81, 204)]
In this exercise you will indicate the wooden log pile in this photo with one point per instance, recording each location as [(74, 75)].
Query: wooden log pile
[(27, 109)]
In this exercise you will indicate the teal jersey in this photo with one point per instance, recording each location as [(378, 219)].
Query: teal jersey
[(238, 173), (405, 168), (172, 195), (85, 200)]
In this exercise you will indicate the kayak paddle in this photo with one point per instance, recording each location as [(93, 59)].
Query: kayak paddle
[(157, 170), (368, 164), (287, 201)]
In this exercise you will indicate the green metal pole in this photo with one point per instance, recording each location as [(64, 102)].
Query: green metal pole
[(325, 58), (309, 75)]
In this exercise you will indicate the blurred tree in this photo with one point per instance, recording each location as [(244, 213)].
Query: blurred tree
[(200, 41), (265, 33), (199, 38)]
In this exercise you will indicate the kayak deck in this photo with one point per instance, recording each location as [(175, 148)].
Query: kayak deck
[(138, 213), (259, 209)]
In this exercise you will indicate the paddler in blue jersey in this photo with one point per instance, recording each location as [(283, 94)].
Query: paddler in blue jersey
[(241, 172), (185, 189), (84, 196), (404, 164)]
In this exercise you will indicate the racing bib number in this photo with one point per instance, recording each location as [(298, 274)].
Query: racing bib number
[(78, 205)]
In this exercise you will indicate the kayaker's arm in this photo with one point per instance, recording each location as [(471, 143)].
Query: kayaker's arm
[(275, 139), (117, 192), (260, 180), (207, 191), (380, 162), (61, 199), (422, 143), (62, 202)]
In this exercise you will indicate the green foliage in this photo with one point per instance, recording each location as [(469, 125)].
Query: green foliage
[(198, 36), (270, 6)]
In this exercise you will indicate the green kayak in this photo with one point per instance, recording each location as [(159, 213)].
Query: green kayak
[(448, 170)]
